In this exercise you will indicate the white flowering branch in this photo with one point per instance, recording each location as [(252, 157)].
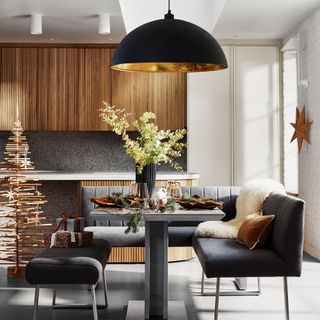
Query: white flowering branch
[(152, 145)]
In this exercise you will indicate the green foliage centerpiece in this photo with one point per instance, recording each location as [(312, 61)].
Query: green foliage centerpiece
[(151, 147)]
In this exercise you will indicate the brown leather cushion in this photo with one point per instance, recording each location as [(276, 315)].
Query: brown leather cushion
[(255, 230)]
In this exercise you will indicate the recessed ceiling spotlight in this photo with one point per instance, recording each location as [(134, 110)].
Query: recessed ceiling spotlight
[(104, 23), (36, 23)]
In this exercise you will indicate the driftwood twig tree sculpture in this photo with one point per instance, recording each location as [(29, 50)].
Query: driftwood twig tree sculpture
[(21, 217)]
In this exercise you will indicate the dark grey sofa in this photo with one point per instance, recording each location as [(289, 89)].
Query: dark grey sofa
[(180, 233), (280, 257)]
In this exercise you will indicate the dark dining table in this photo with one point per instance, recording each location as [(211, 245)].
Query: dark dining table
[(156, 304)]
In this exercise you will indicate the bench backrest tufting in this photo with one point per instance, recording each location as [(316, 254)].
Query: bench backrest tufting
[(227, 194)]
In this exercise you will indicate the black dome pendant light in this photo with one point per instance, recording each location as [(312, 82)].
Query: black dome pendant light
[(169, 45)]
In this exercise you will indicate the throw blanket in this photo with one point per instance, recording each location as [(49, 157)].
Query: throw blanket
[(250, 200)]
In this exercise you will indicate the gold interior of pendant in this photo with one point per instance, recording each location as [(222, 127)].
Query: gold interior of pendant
[(167, 67)]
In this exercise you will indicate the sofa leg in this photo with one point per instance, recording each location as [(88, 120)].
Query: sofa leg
[(36, 303), (94, 302), (216, 306), (231, 293), (105, 288), (286, 297)]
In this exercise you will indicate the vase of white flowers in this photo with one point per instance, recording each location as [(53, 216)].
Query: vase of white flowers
[(151, 147)]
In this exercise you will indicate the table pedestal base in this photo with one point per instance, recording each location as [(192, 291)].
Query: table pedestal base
[(176, 310)]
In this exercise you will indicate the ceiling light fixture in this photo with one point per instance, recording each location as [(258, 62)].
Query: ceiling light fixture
[(169, 45), (36, 23), (104, 23)]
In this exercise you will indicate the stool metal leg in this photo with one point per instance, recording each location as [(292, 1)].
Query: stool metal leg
[(36, 303), (94, 302), (105, 288), (286, 297), (216, 306), (54, 296), (202, 283)]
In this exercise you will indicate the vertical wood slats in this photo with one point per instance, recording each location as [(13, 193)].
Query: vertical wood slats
[(136, 254), (161, 93), (62, 88), (159, 183)]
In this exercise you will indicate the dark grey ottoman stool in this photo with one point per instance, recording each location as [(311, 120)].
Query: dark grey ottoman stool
[(56, 266)]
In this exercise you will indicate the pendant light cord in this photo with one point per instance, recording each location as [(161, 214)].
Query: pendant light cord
[(169, 15)]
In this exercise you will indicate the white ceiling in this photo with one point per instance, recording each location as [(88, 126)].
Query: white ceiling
[(204, 14), (76, 21), (66, 21), (262, 19)]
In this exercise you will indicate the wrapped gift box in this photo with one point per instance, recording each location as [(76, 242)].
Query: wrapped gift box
[(70, 224), (66, 239)]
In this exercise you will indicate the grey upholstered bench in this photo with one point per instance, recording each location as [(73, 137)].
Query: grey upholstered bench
[(56, 266), (280, 257)]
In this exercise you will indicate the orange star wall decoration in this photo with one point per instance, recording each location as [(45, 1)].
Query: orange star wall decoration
[(301, 128)]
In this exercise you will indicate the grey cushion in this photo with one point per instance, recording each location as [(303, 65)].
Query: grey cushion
[(178, 236), (117, 237), (181, 236), (228, 258), (82, 265), (88, 206)]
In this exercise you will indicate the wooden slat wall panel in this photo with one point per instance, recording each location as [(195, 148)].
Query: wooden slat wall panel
[(61, 88), (94, 86), (169, 107), (18, 79), (26, 96), (58, 92), (164, 94), (8, 89)]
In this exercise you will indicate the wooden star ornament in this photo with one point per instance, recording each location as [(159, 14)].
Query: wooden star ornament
[(301, 127)]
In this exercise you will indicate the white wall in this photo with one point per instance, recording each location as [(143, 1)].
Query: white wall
[(309, 158), (233, 118), (290, 102), (209, 125), (256, 113)]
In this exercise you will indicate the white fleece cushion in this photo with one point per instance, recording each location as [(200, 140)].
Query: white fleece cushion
[(253, 194), (249, 201)]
